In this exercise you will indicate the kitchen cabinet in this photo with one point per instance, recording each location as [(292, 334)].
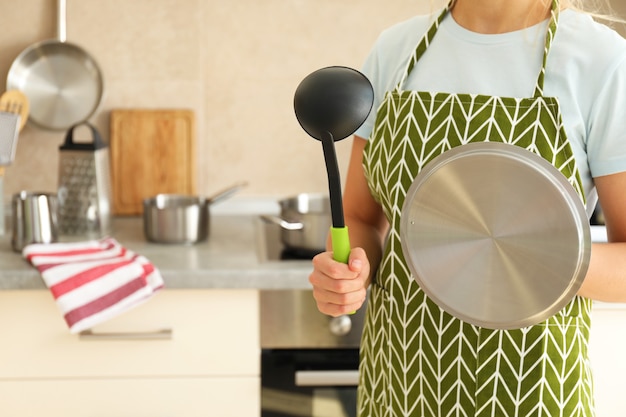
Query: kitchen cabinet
[(607, 351), (209, 365)]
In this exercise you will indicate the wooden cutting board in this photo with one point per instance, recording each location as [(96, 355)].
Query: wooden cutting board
[(152, 152)]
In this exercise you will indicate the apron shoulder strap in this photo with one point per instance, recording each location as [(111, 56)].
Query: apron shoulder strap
[(554, 19), (423, 45)]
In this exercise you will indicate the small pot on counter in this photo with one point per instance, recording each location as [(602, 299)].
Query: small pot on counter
[(177, 218), (304, 220)]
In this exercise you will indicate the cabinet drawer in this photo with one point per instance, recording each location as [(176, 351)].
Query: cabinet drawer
[(197, 397), (214, 332), (607, 350)]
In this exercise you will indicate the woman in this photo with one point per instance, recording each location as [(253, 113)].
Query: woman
[(417, 360)]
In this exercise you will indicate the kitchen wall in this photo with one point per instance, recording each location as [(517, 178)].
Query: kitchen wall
[(236, 63), (619, 9)]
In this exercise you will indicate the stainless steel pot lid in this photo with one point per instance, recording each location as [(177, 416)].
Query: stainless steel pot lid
[(495, 235)]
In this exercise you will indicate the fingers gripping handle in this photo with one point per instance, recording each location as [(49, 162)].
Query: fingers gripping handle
[(341, 244)]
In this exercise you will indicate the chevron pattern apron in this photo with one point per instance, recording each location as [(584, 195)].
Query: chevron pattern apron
[(416, 359)]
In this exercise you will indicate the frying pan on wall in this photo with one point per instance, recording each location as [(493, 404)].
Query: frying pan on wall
[(495, 235), (63, 83)]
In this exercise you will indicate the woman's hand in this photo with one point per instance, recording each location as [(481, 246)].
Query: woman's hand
[(340, 288), (606, 276)]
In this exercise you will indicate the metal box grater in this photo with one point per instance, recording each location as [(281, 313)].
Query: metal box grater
[(84, 192)]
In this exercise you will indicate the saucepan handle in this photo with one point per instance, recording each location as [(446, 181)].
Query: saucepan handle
[(282, 223)]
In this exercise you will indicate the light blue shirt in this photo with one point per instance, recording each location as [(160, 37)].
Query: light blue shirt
[(586, 71)]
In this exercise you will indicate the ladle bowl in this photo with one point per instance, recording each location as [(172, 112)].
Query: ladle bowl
[(334, 99), (331, 104)]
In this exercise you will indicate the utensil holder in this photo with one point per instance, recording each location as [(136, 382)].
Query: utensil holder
[(34, 219)]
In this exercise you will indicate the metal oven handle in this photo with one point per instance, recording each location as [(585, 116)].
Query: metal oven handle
[(326, 378)]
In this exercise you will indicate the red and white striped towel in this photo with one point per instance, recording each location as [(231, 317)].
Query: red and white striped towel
[(93, 281)]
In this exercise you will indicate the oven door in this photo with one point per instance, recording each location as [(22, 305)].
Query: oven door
[(309, 382)]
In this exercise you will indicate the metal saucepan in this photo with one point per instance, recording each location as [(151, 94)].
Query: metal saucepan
[(495, 235), (63, 83), (177, 218), (304, 222)]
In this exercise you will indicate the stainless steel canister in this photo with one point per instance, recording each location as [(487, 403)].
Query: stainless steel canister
[(34, 219)]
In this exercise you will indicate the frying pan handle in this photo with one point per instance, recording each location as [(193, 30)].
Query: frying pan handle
[(341, 243), (61, 20)]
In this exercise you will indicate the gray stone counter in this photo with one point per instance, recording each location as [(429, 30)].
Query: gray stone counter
[(232, 257)]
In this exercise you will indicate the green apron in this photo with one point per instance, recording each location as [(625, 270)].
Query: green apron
[(416, 359)]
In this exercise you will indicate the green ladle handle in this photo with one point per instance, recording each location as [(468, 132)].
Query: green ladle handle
[(341, 244)]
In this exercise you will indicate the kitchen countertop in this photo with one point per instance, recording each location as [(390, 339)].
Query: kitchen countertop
[(232, 257)]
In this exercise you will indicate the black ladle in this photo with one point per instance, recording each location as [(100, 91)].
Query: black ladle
[(331, 104)]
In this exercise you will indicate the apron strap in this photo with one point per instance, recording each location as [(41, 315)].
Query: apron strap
[(427, 39), (423, 45), (554, 19)]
